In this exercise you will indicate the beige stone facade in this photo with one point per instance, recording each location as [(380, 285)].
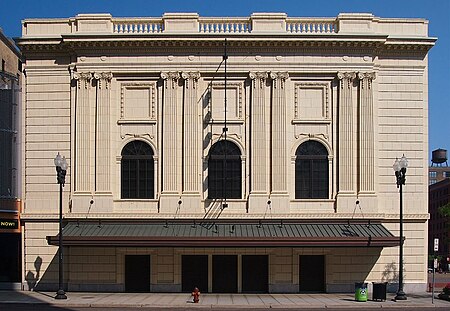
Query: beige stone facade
[(356, 84)]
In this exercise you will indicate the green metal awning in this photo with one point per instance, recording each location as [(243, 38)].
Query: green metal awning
[(226, 234)]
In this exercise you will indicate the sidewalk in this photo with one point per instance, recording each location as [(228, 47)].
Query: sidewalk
[(238, 301)]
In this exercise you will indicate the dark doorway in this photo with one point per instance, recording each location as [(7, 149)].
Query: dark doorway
[(312, 273), (10, 267), (137, 273), (255, 272), (224, 274), (194, 273)]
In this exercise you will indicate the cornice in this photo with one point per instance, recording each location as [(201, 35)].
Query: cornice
[(288, 44)]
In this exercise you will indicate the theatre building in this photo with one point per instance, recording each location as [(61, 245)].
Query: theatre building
[(247, 154)]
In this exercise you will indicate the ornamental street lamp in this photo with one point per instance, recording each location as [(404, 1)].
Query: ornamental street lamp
[(61, 169), (400, 173)]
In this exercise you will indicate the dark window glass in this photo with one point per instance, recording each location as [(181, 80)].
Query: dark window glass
[(311, 171), (137, 171), (224, 171)]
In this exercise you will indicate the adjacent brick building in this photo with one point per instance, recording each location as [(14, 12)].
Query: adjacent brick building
[(10, 204), (439, 224)]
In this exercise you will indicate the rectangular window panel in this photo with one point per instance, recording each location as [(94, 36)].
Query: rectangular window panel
[(303, 181), (224, 179), (311, 180), (320, 179), (125, 179), (234, 184)]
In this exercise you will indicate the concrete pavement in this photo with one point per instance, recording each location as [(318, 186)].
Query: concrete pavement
[(238, 301)]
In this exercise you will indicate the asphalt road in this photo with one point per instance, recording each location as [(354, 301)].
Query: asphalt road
[(44, 307)]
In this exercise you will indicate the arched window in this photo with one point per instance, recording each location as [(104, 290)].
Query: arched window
[(224, 171), (137, 171), (311, 171)]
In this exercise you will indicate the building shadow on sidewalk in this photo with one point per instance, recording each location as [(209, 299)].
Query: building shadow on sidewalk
[(25, 301)]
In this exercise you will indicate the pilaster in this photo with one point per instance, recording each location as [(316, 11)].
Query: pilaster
[(82, 132), (103, 140), (191, 142), (347, 135), (259, 178), (171, 143), (279, 157), (259, 123), (366, 136)]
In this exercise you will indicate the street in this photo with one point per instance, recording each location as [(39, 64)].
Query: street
[(45, 307)]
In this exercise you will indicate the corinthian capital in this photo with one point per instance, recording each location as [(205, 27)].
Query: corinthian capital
[(170, 76), (366, 79), (279, 78), (194, 75), (103, 79), (346, 79), (259, 77), (366, 75), (174, 75), (107, 76), (346, 75), (82, 78), (191, 78), (82, 75)]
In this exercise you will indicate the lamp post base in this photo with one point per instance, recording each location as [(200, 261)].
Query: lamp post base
[(400, 295), (60, 294)]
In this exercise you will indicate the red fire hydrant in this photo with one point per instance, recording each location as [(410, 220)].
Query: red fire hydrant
[(196, 295)]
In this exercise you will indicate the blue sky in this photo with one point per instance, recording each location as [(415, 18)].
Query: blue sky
[(436, 11)]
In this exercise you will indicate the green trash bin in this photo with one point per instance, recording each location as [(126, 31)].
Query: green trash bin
[(361, 291)]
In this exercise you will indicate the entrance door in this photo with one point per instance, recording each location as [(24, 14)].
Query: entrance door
[(10, 257), (312, 273), (224, 274), (255, 274), (137, 273), (194, 273)]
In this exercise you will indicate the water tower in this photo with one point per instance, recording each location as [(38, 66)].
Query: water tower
[(439, 156)]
